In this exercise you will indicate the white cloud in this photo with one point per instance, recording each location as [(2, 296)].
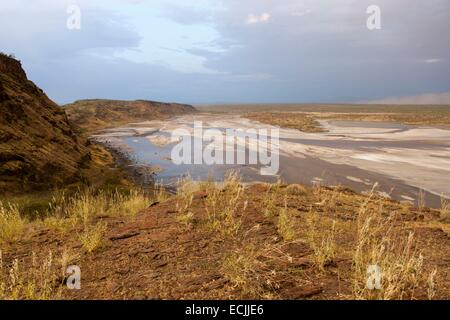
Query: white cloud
[(252, 18), (231, 50)]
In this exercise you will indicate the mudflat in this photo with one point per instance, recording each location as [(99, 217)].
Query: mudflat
[(400, 159)]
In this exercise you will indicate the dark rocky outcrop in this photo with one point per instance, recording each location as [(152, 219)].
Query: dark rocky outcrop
[(38, 146)]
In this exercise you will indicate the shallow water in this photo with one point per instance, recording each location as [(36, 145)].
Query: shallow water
[(146, 152), (400, 159)]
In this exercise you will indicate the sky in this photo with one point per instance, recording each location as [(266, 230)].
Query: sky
[(231, 51)]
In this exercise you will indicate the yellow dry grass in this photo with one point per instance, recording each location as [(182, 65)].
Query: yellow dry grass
[(12, 225)]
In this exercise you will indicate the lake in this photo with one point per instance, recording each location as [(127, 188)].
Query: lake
[(400, 159)]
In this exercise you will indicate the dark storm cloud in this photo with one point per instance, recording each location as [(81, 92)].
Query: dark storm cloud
[(264, 51), (322, 50)]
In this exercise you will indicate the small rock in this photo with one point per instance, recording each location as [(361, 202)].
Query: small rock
[(125, 235)]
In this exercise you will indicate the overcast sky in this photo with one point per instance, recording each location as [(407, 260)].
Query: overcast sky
[(216, 51)]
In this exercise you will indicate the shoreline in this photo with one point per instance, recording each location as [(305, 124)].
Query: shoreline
[(140, 174)]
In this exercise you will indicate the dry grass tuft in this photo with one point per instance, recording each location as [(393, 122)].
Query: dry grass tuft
[(321, 238), (60, 225), (128, 205), (66, 212), (296, 190), (431, 284), (37, 282), (223, 205), (160, 194), (270, 200), (421, 203), (68, 257), (244, 270), (185, 196), (93, 236), (393, 253), (12, 225), (445, 209), (285, 224)]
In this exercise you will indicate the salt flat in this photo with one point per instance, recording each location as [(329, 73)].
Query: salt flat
[(401, 159)]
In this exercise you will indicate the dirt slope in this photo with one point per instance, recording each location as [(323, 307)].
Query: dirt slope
[(98, 114), (157, 256), (38, 146)]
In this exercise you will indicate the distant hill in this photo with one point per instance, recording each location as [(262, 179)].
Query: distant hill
[(38, 146), (97, 114), (422, 99)]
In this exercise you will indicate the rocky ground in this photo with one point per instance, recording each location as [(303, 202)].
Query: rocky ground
[(261, 242)]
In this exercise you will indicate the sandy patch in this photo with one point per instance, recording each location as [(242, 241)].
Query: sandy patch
[(159, 140)]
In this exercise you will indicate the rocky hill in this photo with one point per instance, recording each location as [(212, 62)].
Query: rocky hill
[(229, 241), (38, 146), (97, 114)]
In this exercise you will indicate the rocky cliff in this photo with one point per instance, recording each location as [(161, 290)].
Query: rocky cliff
[(38, 146)]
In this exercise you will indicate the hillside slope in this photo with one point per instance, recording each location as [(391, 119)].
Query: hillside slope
[(98, 114), (232, 241), (38, 146)]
